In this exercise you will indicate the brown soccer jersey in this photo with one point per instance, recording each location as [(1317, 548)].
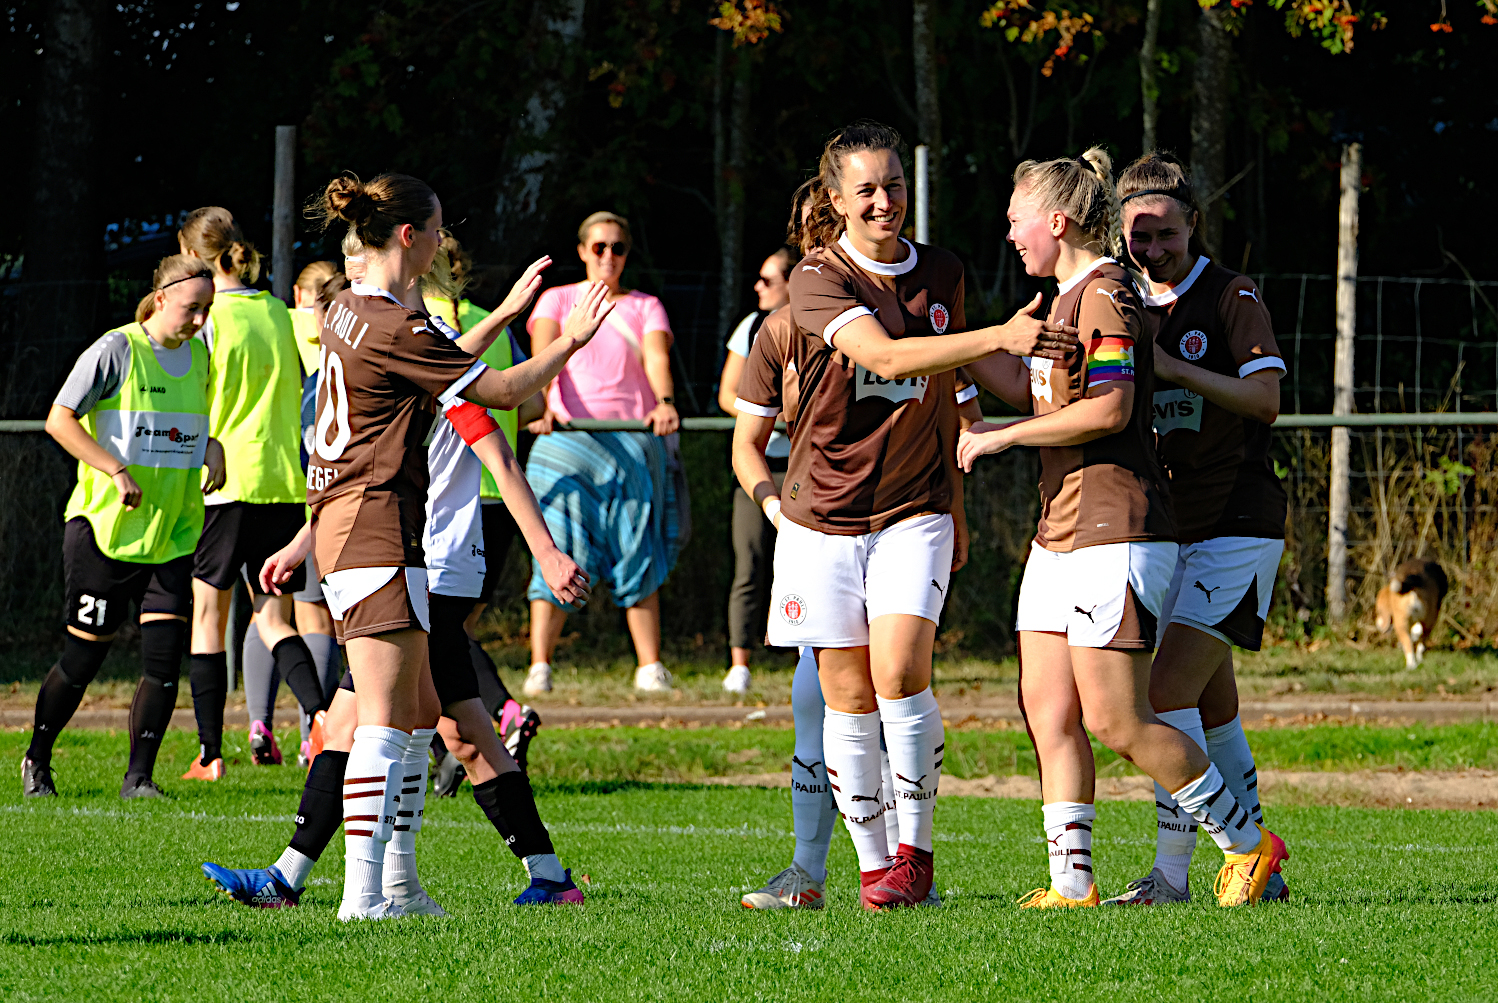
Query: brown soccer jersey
[(1109, 490), (866, 452), (383, 371), (1221, 478)]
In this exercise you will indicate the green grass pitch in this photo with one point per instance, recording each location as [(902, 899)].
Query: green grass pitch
[(103, 900)]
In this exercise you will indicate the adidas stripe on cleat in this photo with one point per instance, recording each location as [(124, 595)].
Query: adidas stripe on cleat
[(543, 892), (1049, 898), (1152, 889), (1245, 876), (792, 888), (259, 888)]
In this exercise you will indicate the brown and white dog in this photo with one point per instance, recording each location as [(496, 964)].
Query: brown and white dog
[(1411, 604)]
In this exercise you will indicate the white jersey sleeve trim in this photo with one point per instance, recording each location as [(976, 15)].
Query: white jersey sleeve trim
[(967, 393), (758, 410), (461, 383), (1261, 364), (843, 319)]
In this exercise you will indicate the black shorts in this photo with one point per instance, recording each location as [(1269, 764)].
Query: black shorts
[(499, 532), (239, 535), (99, 589), (453, 673)]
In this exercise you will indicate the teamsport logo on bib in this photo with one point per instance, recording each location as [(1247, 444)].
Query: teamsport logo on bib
[(793, 610), (1193, 345), (940, 318)]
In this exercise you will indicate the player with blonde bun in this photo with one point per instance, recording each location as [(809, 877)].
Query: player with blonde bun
[(1099, 568), (1217, 369)]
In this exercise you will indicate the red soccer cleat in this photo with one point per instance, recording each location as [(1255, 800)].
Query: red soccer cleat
[(906, 883)]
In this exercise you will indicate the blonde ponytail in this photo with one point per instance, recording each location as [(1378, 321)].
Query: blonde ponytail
[(211, 234), (1080, 187)]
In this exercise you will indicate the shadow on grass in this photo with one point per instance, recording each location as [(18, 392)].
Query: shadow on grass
[(144, 938), (618, 786)]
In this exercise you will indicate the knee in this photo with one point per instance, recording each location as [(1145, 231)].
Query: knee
[(1116, 732)]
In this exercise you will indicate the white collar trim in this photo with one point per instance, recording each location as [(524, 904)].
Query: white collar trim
[(1174, 293), (365, 289), (879, 267), (1077, 279)]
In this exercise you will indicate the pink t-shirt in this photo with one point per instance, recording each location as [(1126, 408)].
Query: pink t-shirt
[(606, 378)]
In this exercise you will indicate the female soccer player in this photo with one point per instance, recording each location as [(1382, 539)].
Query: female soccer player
[(134, 412), (304, 317), (1217, 369), (256, 399), (1099, 568), (870, 525), (383, 369)]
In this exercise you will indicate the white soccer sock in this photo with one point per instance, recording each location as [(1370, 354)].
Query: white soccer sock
[(917, 742), (399, 881), (1227, 746), (1068, 835), (1175, 830), (851, 744), (293, 867), (545, 866), (1210, 802), (891, 799), (371, 783), (813, 812)]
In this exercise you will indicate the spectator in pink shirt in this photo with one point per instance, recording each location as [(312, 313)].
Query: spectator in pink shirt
[(611, 495)]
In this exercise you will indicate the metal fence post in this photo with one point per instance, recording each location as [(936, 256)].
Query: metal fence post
[(282, 218), (922, 195), (1339, 500)]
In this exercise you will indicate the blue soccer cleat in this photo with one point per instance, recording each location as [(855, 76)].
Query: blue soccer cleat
[(261, 888), (543, 892)]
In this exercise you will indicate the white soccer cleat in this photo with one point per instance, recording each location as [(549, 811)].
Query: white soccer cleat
[(420, 904), (538, 680), (652, 678), (792, 888), (384, 910), (737, 680), (1151, 890)]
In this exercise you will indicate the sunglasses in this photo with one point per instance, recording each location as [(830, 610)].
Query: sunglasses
[(619, 247)]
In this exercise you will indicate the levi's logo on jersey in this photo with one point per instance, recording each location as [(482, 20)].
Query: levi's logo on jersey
[(1179, 408), (1040, 380), (871, 384)]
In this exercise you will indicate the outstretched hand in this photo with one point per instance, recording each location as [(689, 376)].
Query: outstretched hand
[(525, 288), (588, 315), (1026, 334), (980, 439)]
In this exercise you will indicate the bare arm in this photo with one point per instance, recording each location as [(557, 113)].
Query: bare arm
[(478, 340), (865, 341), (567, 581), (1004, 376), (728, 383), (278, 567), (751, 434), (1104, 411), (656, 348), (533, 408), (63, 425), (508, 389), (1255, 396)]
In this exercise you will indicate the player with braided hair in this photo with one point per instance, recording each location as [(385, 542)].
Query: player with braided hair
[(1099, 568)]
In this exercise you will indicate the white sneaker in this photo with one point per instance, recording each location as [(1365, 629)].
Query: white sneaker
[(420, 904), (538, 680), (792, 888), (737, 680), (386, 909), (1152, 889), (652, 678)]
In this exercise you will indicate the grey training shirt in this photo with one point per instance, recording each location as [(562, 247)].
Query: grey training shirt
[(97, 374)]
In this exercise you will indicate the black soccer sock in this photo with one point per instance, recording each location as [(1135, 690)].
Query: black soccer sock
[(321, 811), (208, 675), (62, 692), (294, 661), (491, 688), (511, 806), (161, 644)]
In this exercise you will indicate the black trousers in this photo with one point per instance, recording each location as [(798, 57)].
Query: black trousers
[(753, 569)]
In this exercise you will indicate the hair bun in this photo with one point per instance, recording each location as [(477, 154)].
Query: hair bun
[(349, 200)]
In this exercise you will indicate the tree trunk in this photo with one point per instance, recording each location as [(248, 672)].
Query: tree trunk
[(730, 186), (531, 152), (1339, 502), (1149, 89), (64, 237), (928, 108), (1209, 119)]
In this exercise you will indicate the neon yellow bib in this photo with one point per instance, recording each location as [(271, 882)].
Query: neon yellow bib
[(499, 356), (304, 328), (157, 425), (257, 398)]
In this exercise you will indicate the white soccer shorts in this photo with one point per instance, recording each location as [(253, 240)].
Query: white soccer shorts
[(1085, 594), (828, 589), (1223, 587)]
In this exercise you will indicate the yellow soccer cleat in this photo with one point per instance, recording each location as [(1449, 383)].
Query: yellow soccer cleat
[(1050, 898), (1244, 875)]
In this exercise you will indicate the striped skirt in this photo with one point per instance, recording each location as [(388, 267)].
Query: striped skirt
[(609, 499)]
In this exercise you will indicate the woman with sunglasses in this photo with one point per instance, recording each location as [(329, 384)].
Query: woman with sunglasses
[(608, 497)]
